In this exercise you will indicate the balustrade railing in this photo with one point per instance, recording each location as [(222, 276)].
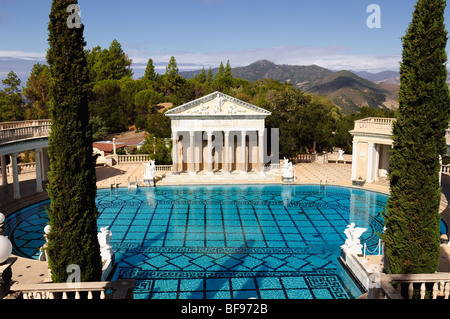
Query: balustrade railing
[(374, 125), (14, 125), (134, 158), (19, 133), (120, 289), (382, 126), (164, 168), (302, 158), (415, 286), (445, 169)]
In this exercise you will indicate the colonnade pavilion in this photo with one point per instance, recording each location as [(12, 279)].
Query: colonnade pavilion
[(219, 133)]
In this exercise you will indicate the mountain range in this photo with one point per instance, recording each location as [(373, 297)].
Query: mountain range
[(348, 90)]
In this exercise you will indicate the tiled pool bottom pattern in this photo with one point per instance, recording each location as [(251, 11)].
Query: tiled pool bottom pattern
[(231, 242)]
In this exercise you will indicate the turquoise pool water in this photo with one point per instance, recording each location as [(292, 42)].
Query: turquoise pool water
[(221, 242)]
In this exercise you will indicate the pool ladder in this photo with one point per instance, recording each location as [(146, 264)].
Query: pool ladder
[(132, 185), (113, 185)]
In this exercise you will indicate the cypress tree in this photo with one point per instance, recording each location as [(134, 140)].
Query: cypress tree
[(72, 180), (412, 217)]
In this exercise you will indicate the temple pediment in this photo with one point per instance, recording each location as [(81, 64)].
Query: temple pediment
[(217, 104)]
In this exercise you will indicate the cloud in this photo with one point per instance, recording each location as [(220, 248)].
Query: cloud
[(22, 55), (20, 62), (332, 57)]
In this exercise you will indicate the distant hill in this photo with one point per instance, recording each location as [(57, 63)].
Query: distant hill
[(390, 77), (346, 89), (351, 92)]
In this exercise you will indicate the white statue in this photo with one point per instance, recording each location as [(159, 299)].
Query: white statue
[(104, 240), (219, 103), (204, 109), (353, 243), (149, 170), (232, 109), (341, 155), (287, 169)]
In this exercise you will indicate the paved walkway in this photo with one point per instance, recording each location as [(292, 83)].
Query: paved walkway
[(33, 271)]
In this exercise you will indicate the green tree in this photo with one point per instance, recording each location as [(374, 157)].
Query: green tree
[(209, 76), (107, 103), (72, 181), (221, 72), (158, 148), (11, 103), (202, 76), (108, 64), (12, 83), (172, 81), (228, 72), (412, 218), (37, 92), (150, 73), (172, 68)]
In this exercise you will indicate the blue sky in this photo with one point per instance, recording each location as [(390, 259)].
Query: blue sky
[(330, 33)]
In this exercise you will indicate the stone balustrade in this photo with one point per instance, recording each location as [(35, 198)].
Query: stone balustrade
[(380, 125), (133, 158), (164, 168), (374, 125), (414, 286), (20, 133), (380, 285), (121, 289), (445, 169), (20, 124)]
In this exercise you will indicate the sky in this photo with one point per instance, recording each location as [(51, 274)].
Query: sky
[(202, 33)]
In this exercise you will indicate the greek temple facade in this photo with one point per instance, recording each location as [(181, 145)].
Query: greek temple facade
[(218, 133)]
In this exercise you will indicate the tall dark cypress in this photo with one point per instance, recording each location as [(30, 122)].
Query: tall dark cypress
[(72, 180), (412, 214)]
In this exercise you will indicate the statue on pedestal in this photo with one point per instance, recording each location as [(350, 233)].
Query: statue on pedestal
[(341, 155), (104, 240), (149, 172), (353, 243), (287, 169)]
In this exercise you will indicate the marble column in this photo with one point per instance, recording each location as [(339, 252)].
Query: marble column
[(209, 155), (226, 165), (45, 163), (261, 151), (354, 160), (38, 170), (4, 174), (16, 186), (175, 151), (243, 153), (377, 161), (191, 152), (369, 178)]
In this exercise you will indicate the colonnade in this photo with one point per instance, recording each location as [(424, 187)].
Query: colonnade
[(230, 153), (42, 168), (369, 160)]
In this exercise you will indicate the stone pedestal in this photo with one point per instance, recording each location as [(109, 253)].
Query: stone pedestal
[(5, 276)]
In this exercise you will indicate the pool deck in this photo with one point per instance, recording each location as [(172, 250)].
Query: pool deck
[(28, 271)]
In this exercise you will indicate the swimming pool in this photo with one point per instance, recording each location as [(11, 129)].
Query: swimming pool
[(221, 242)]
